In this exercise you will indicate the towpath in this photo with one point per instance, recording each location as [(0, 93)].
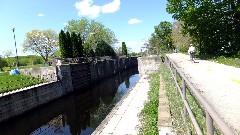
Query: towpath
[(219, 84)]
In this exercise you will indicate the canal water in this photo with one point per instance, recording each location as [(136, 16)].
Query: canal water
[(79, 113)]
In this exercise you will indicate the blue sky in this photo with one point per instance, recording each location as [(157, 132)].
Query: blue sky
[(132, 21)]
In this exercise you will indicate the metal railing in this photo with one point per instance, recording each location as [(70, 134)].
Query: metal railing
[(211, 114)]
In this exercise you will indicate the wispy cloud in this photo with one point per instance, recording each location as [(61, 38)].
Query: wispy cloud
[(111, 7), (134, 21), (86, 8), (40, 14), (65, 23)]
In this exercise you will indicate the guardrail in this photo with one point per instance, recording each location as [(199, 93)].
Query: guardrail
[(211, 114)]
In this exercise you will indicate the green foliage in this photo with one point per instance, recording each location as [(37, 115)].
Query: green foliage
[(162, 37), (29, 61), (87, 50), (231, 61), (176, 106), (174, 99), (42, 42), (91, 31), (75, 46), (3, 63), (214, 25), (150, 110), (124, 49), (103, 49), (13, 82), (63, 44), (69, 45)]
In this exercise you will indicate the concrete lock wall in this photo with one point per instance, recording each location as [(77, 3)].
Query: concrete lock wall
[(103, 68), (20, 101), (17, 102), (149, 65)]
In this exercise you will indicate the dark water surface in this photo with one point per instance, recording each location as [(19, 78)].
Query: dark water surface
[(76, 114)]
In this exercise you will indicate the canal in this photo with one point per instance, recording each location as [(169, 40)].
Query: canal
[(79, 113)]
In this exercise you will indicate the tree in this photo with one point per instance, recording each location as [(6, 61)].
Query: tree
[(7, 55), (3, 63), (104, 49), (124, 49), (181, 40), (162, 37), (63, 44), (214, 25), (42, 42), (69, 45), (91, 32), (77, 48), (88, 51)]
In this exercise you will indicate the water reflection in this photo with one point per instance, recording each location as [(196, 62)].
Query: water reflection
[(75, 114)]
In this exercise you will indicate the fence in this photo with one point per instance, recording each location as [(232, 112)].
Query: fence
[(211, 114)]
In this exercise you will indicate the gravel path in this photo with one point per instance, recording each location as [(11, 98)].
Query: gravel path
[(218, 83)]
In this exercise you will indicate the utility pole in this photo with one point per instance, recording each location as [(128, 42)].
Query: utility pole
[(15, 47)]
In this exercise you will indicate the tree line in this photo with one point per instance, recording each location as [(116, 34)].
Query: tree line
[(79, 38), (213, 26)]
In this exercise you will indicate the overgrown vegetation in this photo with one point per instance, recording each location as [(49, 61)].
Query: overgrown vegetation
[(150, 110), (13, 82), (180, 125)]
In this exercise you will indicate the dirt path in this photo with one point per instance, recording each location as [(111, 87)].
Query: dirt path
[(218, 83)]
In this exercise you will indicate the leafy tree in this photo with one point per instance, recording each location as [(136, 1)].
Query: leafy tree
[(42, 42), (213, 24), (7, 55), (124, 49), (162, 37), (3, 63), (181, 40), (104, 49), (91, 32)]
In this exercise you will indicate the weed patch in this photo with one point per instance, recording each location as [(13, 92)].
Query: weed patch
[(150, 110)]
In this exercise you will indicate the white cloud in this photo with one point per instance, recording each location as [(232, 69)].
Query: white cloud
[(65, 23), (86, 8), (40, 14), (111, 7), (134, 21)]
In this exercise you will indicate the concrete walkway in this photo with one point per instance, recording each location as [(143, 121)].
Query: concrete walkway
[(124, 118)]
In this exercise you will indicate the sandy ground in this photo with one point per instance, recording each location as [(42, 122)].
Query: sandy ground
[(218, 83)]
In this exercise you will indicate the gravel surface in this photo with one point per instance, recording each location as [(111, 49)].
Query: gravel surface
[(218, 83)]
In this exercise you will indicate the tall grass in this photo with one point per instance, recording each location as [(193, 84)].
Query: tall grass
[(150, 110)]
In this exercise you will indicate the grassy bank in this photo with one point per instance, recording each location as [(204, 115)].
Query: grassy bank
[(150, 110), (230, 61), (180, 125), (13, 82)]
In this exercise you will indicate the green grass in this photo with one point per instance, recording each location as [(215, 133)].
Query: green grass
[(13, 82), (23, 67), (180, 125), (150, 110), (230, 61)]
